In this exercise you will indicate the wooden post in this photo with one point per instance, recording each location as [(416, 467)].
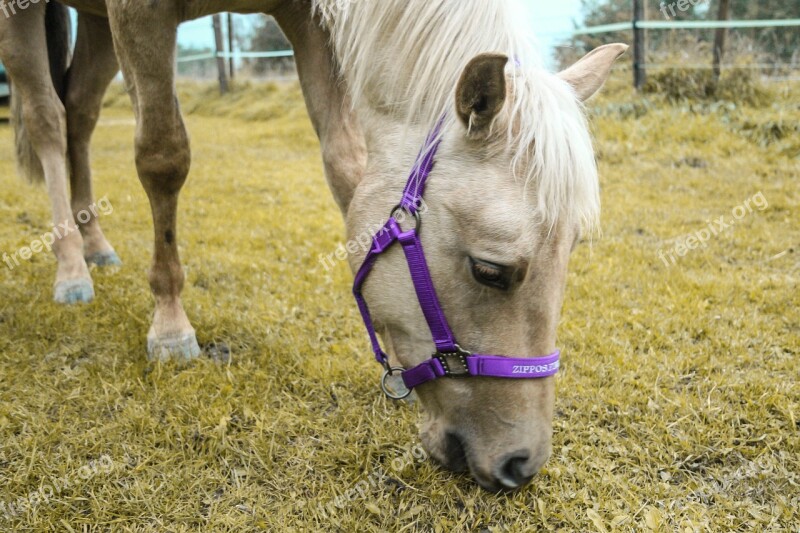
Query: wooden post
[(719, 38), (639, 45), (223, 77), (231, 44)]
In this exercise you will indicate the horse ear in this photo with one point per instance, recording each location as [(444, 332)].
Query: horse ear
[(481, 91), (591, 72)]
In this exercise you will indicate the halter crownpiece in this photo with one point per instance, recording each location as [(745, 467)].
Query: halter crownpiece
[(450, 360)]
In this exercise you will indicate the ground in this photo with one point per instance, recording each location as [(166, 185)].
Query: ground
[(677, 408)]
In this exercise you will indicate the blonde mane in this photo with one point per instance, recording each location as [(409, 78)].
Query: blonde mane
[(404, 57)]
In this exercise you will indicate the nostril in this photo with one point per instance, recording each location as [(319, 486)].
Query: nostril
[(515, 471), (455, 453)]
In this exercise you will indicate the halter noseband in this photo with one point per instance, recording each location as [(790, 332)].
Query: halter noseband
[(450, 360)]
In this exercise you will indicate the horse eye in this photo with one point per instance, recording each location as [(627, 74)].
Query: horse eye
[(490, 274)]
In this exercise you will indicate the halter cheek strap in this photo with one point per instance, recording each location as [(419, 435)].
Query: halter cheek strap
[(450, 360)]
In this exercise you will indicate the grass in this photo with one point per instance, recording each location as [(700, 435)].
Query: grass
[(677, 405)]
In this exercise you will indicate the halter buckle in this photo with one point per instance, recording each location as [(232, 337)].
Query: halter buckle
[(454, 363)]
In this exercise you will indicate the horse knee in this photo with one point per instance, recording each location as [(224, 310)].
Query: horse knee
[(45, 122), (163, 165)]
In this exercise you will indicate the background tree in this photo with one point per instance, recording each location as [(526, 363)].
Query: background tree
[(782, 43), (266, 36)]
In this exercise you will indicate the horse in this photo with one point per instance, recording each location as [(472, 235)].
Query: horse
[(506, 168)]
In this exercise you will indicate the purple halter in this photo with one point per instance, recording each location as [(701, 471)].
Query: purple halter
[(450, 360)]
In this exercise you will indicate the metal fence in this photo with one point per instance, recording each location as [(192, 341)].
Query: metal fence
[(637, 26)]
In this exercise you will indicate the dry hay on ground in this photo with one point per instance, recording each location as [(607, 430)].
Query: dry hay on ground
[(677, 406)]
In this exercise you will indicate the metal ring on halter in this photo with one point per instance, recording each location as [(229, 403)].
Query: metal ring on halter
[(391, 394), (417, 216)]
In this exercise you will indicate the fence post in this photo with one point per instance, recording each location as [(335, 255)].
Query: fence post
[(223, 77), (719, 39), (639, 45), (231, 44)]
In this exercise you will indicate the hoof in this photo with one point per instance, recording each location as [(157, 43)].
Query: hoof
[(104, 259), (181, 348), (76, 291)]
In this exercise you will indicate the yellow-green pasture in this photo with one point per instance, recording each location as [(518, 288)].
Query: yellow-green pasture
[(678, 403)]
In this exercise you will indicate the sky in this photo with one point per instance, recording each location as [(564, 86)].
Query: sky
[(549, 20)]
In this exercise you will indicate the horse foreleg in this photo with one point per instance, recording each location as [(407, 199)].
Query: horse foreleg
[(145, 38), (23, 49), (344, 152), (93, 67)]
